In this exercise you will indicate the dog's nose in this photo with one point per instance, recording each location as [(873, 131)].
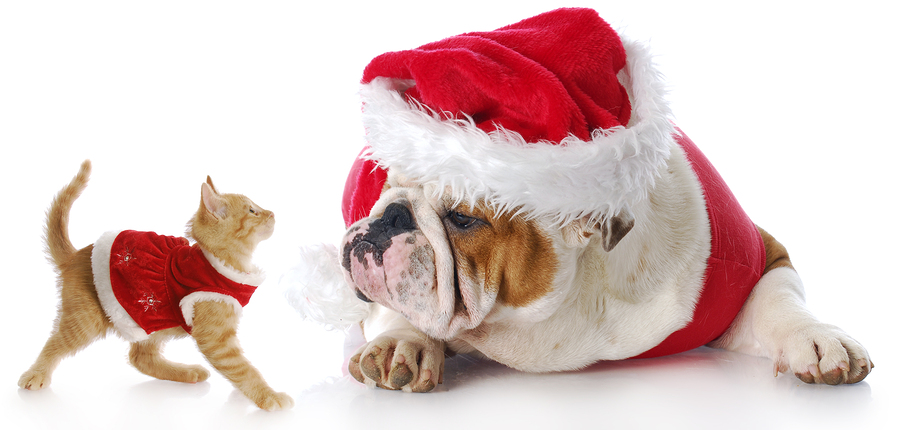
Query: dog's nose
[(398, 216)]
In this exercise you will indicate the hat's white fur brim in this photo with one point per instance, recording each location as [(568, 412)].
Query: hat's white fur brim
[(566, 181)]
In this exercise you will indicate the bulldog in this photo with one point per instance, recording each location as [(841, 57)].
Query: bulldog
[(448, 277), (481, 222)]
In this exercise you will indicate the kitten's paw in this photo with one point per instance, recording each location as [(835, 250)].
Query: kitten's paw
[(397, 362), (34, 380), (194, 374), (822, 353), (276, 402)]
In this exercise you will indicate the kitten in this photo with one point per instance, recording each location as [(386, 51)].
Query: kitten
[(111, 285)]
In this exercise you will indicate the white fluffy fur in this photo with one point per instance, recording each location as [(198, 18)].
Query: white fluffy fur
[(616, 168), (316, 288), (254, 277)]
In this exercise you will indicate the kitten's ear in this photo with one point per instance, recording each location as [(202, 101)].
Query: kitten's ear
[(209, 182), (213, 203)]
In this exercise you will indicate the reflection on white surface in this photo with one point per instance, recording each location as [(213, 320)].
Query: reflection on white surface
[(793, 103), (704, 388)]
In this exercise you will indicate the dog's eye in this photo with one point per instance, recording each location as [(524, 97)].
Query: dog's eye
[(252, 211), (460, 220)]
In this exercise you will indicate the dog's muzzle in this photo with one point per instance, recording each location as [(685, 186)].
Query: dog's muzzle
[(397, 219)]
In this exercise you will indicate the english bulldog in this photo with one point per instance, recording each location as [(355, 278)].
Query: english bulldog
[(549, 250), (447, 277)]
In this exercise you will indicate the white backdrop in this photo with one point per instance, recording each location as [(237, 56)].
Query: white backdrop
[(794, 102)]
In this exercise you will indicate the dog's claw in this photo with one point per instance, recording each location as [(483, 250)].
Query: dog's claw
[(401, 375)]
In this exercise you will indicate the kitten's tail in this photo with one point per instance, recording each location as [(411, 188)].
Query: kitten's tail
[(56, 232)]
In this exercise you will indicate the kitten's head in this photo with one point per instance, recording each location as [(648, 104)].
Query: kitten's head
[(229, 223)]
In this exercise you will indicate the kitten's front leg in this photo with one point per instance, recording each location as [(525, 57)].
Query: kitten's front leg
[(215, 330)]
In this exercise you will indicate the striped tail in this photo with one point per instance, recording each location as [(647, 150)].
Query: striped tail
[(59, 248)]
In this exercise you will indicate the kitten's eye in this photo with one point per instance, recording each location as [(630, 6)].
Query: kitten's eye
[(460, 220), (252, 211)]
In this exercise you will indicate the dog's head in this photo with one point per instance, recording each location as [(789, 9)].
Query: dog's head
[(448, 267), (541, 173)]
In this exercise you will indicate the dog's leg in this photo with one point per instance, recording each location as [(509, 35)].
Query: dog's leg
[(775, 323), (146, 357), (399, 357), (79, 323)]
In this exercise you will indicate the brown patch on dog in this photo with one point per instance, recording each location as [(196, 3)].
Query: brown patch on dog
[(508, 254), (776, 254)]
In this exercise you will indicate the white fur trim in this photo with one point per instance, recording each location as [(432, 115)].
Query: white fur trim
[(254, 277), (564, 182), (188, 302), (123, 322), (316, 288)]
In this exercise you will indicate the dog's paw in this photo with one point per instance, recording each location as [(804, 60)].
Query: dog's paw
[(822, 353), (397, 362)]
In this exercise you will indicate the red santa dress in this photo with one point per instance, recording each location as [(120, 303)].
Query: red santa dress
[(147, 282)]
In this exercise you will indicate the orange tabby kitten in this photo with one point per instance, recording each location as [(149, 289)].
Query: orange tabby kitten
[(165, 291)]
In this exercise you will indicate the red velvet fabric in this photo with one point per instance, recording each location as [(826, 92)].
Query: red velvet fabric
[(362, 189), (150, 274), (736, 261)]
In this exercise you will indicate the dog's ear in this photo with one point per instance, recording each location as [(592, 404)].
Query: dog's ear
[(613, 229), (577, 234)]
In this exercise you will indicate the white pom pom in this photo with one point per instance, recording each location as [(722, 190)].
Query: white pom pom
[(317, 289)]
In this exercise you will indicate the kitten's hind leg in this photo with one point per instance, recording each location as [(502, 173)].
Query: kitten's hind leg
[(61, 344), (146, 356), (80, 321)]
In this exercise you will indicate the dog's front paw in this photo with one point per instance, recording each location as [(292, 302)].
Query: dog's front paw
[(397, 362), (822, 353)]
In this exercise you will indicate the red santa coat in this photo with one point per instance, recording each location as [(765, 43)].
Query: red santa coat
[(147, 282), (737, 259)]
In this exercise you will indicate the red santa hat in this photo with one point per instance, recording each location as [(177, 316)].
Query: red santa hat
[(554, 116)]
